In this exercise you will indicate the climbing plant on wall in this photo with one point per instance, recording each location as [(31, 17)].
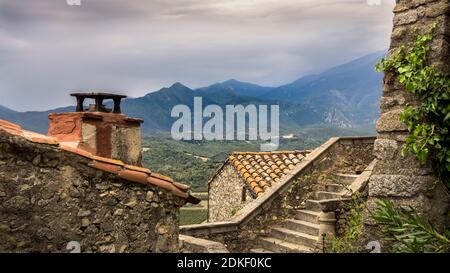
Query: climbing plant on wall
[(429, 121)]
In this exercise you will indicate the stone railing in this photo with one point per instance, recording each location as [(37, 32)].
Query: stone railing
[(189, 244), (315, 160)]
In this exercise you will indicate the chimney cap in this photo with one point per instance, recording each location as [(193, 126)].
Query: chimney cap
[(99, 97), (93, 95)]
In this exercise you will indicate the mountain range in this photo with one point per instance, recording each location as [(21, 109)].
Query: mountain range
[(345, 96)]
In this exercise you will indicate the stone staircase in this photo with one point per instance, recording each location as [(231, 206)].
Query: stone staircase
[(301, 233)]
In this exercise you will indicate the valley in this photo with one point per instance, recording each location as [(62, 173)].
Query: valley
[(185, 161)]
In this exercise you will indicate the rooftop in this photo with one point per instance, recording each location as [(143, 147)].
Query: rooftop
[(261, 170)]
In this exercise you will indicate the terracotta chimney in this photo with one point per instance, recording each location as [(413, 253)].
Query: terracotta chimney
[(99, 130)]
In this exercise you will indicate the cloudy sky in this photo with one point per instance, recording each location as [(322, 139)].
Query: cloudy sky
[(49, 49)]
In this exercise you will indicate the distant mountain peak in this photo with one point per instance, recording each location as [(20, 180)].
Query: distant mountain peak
[(178, 85), (6, 109), (232, 81)]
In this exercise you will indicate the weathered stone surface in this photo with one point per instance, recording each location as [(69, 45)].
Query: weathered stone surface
[(49, 197), (149, 196), (390, 122), (225, 195), (83, 213), (399, 185), (409, 16), (196, 245), (386, 149), (17, 203), (403, 5), (437, 9)]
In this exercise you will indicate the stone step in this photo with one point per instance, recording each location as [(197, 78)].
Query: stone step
[(295, 237), (279, 246), (334, 188), (307, 216), (322, 195), (313, 205), (345, 178), (260, 250), (301, 226)]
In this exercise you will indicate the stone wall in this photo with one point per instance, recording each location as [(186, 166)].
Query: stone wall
[(397, 177), (225, 195), (49, 197)]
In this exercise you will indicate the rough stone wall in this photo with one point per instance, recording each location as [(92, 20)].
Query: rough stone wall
[(49, 197), (352, 156), (396, 177), (225, 195)]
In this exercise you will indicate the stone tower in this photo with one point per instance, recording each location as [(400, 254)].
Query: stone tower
[(395, 177)]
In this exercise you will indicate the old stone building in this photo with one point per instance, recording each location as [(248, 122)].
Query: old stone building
[(295, 197), (244, 177), (67, 187)]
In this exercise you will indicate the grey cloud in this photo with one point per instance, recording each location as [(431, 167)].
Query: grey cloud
[(48, 49)]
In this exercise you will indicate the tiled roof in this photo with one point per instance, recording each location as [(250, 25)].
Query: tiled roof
[(116, 167), (261, 170)]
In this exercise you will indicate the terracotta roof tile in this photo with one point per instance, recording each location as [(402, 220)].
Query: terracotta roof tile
[(261, 170), (181, 186), (139, 169), (108, 160), (163, 177), (114, 169), (69, 148), (134, 176), (127, 172)]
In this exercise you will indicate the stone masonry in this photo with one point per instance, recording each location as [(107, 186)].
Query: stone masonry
[(395, 177), (50, 197), (225, 195)]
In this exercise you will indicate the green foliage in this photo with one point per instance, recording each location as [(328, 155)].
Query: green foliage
[(189, 162), (429, 122), (408, 231), (192, 216), (348, 242)]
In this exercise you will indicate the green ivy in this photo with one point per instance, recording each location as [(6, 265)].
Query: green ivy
[(428, 122)]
